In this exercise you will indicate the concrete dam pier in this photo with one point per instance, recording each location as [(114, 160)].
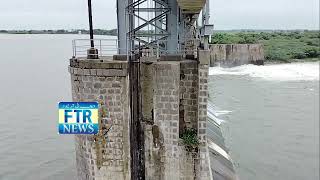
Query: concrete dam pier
[(230, 55), (152, 91), (174, 99)]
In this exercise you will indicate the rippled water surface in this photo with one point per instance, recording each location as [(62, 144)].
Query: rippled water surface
[(272, 130), (34, 78), (272, 124)]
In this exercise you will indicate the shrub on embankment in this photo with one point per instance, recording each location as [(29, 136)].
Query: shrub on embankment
[(281, 46)]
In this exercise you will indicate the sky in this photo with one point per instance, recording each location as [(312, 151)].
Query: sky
[(225, 14)]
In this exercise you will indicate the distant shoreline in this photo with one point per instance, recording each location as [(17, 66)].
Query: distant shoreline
[(112, 32), (280, 46)]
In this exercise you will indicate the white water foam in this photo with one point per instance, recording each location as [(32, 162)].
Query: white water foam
[(214, 112), (281, 72)]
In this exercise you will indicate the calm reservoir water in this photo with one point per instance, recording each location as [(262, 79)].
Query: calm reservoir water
[(271, 120)]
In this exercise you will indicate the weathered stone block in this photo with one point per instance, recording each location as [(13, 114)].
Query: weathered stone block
[(204, 56)]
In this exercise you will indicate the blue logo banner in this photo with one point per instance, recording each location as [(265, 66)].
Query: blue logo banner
[(78, 118)]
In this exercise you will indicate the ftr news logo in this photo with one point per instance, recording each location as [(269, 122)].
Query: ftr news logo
[(78, 118)]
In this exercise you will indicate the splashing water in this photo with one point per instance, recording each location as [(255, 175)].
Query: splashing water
[(280, 72), (214, 112)]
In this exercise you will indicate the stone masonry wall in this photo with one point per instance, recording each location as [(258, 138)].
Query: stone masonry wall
[(166, 157), (230, 55), (188, 108), (202, 101), (177, 88), (98, 156), (204, 162), (171, 90), (204, 168), (166, 116)]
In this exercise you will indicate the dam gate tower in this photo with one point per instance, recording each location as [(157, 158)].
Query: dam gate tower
[(152, 87)]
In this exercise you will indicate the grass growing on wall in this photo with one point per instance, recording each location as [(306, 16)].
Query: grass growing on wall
[(282, 46), (190, 139)]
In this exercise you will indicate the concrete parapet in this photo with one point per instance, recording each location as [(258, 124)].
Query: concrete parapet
[(106, 63)]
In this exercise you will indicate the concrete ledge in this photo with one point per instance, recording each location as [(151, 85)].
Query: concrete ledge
[(175, 57), (124, 57), (84, 63), (98, 72), (120, 57)]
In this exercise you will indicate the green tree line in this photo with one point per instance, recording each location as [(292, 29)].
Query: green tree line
[(283, 46)]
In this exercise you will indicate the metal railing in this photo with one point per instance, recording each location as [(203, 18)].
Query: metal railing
[(105, 47), (109, 47), (157, 49)]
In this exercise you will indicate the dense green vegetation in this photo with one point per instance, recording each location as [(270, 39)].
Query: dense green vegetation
[(282, 45)]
